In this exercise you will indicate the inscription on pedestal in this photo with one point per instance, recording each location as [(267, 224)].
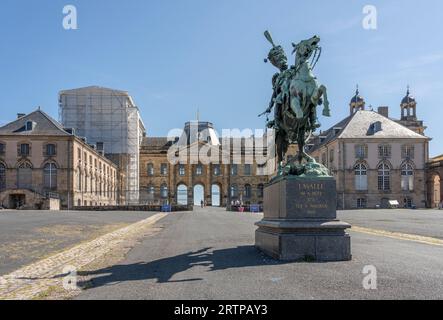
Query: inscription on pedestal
[(303, 199)]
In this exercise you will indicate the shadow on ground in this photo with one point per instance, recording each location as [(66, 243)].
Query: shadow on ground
[(163, 270)]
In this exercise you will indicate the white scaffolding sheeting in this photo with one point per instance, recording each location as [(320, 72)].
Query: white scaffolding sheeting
[(108, 116)]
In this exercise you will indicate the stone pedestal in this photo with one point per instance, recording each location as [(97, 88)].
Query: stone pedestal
[(300, 221)]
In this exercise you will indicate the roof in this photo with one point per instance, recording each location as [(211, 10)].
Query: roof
[(93, 89), (44, 125), (437, 158), (156, 142), (360, 126)]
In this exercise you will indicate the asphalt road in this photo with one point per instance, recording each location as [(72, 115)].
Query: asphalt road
[(210, 254), (28, 236)]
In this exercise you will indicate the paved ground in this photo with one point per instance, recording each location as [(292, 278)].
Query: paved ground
[(28, 236), (427, 223), (209, 254)]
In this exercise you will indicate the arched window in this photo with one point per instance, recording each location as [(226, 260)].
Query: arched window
[(151, 191), (50, 176), (407, 177), (164, 191), (217, 170), (182, 195), (248, 191), (150, 169), (384, 177), (2, 176), (234, 191), (361, 177), (24, 176)]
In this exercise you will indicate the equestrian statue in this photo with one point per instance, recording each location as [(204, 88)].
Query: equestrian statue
[(296, 96)]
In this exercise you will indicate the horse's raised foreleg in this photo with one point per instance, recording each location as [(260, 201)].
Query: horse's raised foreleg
[(323, 92)]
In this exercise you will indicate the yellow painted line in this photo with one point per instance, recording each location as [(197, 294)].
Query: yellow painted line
[(399, 236)]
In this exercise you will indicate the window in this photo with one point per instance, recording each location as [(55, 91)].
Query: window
[(50, 176), (151, 191), (234, 170), (50, 150), (150, 169), (361, 177), (2, 148), (260, 192), (164, 191), (24, 176), (182, 170), (384, 177), (2, 176), (408, 152), (248, 191), (247, 170), (361, 151), (361, 203), (199, 170), (164, 169), (261, 169), (24, 150), (331, 155), (384, 151), (217, 170), (376, 127), (407, 177), (234, 191), (29, 126), (323, 159)]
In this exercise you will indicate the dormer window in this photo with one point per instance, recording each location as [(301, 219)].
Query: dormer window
[(337, 130), (376, 127), (29, 126), (322, 139)]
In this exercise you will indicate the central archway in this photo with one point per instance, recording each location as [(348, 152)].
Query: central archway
[(199, 194), (215, 195)]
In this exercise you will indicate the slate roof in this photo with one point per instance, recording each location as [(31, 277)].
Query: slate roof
[(44, 125), (360, 126), (156, 142)]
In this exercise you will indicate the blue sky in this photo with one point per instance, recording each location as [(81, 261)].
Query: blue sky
[(175, 57)]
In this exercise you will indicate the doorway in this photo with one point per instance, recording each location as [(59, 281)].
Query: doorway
[(199, 194), (16, 201), (215, 195)]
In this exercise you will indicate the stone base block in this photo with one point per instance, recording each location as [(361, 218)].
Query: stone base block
[(304, 240)]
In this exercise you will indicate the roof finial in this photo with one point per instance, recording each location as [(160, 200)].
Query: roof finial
[(357, 92), (408, 91), (198, 114)]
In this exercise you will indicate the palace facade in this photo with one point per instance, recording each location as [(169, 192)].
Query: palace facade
[(45, 166), (377, 161), (228, 177)]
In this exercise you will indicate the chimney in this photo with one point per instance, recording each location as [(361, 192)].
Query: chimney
[(20, 115), (384, 111), (101, 148)]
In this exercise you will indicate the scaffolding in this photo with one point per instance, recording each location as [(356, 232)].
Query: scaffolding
[(107, 116)]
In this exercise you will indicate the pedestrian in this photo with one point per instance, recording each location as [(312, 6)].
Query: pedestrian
[(202, 204)]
